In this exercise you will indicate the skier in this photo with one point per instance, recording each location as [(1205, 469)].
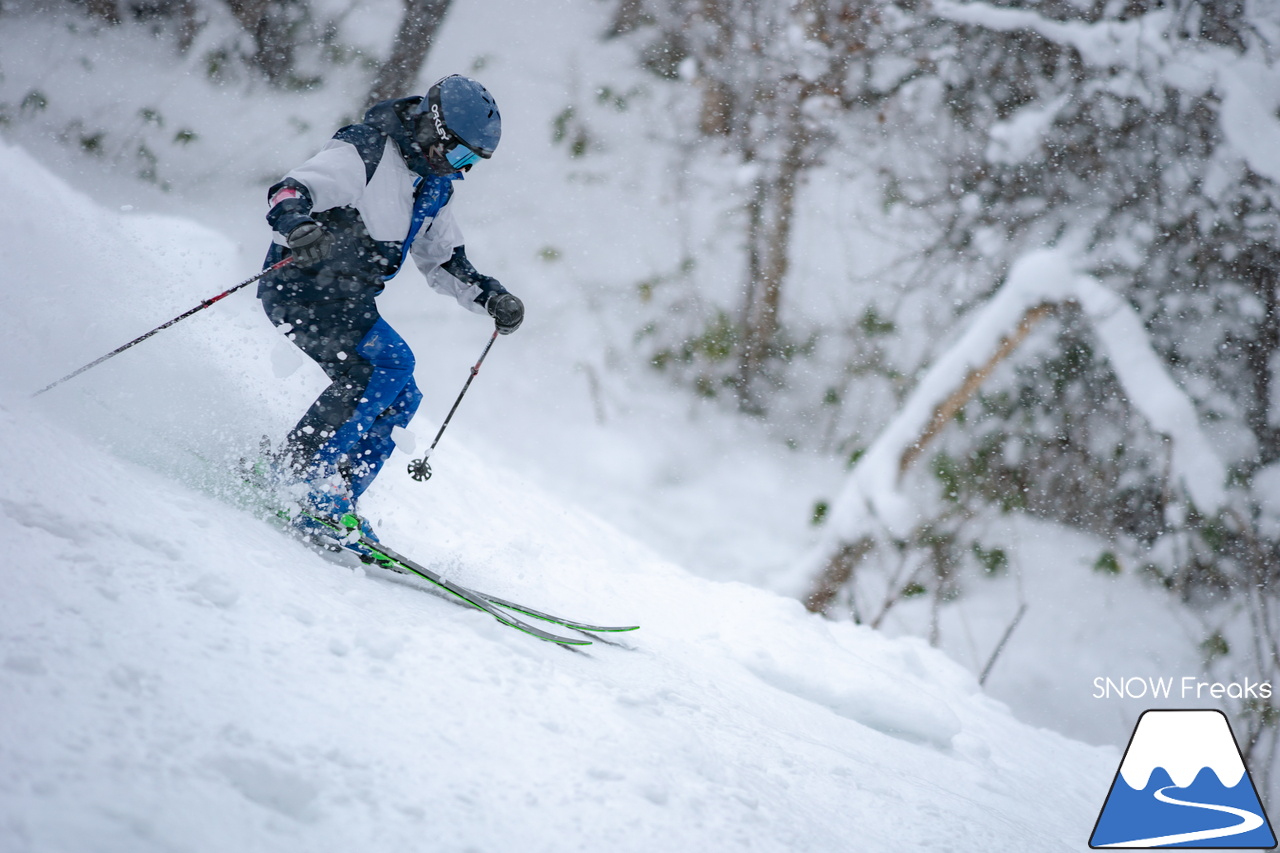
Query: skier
[(350, 216)]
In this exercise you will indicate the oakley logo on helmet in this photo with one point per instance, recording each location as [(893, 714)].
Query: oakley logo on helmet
[(441, 130)]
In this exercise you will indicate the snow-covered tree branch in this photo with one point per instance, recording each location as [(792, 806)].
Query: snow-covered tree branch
[(872, 502)]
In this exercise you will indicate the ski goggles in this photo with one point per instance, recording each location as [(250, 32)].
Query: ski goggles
[(460, 156)]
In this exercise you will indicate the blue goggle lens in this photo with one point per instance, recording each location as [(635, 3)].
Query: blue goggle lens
[(460, 156)]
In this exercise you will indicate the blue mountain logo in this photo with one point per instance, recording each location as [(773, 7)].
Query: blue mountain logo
[(1183, 783)]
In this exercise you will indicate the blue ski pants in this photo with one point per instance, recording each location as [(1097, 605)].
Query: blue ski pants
[(347, 430)]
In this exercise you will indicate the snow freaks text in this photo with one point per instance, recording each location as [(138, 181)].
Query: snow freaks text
[(1186, 687)]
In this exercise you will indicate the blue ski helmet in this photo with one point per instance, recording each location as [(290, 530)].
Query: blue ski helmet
[(460, 117)]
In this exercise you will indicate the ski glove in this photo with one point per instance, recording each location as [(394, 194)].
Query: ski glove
[(507, 312), (310, 243)]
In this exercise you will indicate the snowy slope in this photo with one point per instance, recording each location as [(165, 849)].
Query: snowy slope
[(176, 675)]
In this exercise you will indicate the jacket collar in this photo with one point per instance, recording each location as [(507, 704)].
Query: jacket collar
[(393, 118)]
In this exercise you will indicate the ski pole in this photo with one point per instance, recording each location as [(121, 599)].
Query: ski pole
[(419, 469), (179, 318)]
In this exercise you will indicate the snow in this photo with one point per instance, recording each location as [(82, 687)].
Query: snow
[(1018, 138), (1078, 626), (1106, 43), (1249, 104), (177, 675)]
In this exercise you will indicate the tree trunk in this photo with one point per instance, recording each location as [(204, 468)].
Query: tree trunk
[(190, 25), (627, 17), (248, 12), (399, 74), (770, 211), (958, 398), (716, 117), (837, 573), (105, 10), (274, 37), (270, 22), (1259, 354)]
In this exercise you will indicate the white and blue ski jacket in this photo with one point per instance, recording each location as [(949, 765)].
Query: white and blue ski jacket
[(371, 190)]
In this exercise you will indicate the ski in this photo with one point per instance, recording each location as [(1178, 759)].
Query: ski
[(423, 571), (387, 558), (581, 627), (524, 609), (558, 620)]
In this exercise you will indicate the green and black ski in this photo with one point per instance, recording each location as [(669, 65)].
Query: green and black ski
[(376, 553)]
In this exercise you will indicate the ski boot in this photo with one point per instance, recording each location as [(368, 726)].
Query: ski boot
[(328, 518)]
